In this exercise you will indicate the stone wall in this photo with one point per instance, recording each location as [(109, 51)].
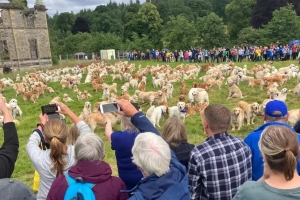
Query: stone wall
[(16, 30)]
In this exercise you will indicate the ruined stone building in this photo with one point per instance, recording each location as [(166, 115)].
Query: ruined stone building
[(24, 37)]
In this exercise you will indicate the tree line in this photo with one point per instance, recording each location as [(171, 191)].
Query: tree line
[(174, 24)]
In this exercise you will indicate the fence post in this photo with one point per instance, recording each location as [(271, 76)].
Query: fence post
[(60, 57)]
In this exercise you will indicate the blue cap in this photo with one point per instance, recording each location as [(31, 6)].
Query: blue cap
[(276, 108)]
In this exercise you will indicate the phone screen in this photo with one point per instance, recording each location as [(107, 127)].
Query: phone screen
[(111, 107)]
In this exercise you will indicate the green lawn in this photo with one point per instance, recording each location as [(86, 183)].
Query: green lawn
[(24, 170)]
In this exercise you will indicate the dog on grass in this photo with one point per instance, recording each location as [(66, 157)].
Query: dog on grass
[(154, 114), (178, 111), (237, 118), (87, 110)]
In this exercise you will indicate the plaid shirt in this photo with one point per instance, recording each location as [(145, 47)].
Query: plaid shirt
[(218, 166)]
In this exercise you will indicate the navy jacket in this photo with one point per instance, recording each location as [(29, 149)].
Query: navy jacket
[(172, 185), (297, 127)]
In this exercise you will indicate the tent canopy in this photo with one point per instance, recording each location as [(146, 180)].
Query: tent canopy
[(294, 42)]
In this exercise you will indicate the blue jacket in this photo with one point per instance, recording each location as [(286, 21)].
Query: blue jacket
[(173, 185), (252, 141)]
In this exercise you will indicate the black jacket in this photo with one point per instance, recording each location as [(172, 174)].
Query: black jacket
[(297, 127), (182, 152), (9, 150)]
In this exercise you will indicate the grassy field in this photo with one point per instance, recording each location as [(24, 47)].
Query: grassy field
[(24, 170)]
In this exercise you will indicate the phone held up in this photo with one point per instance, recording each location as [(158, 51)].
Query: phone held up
[(50, 110), (113, 107)]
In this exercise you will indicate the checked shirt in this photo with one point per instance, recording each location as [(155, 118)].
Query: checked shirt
[(218, 167)]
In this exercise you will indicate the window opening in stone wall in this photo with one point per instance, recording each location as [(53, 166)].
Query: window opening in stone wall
[(30, 22), (4, 54), (33, 48)]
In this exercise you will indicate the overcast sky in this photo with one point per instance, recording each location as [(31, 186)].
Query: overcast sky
[(54, 6)]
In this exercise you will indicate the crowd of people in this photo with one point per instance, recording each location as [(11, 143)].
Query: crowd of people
[(274, 52), (151, 165)]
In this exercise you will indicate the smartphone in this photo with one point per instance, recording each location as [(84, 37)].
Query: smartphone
[(50, 110), (109, 107), (136, 105)]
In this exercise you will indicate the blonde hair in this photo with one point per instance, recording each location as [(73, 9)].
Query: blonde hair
[(174, 131), (218, 117), (73, 135), (56, 131), (127, 125), (279, 145)]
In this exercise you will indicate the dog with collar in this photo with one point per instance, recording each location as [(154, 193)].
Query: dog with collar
[(250, 110), (154, 114), (237, 118), (178, 111)]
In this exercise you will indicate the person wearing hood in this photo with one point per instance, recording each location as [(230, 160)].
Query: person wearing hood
[(89, 154)]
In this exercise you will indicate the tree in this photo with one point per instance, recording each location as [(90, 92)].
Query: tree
[(22, 2), (211, 31), (250, 36), (200, 8), (80, 25), (284, 26), (263, 10), (64, 21), (238, 14), (39, 2), (179, 33), (219, 7), (149, 15)]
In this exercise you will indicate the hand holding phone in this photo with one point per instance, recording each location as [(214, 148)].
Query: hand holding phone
[(50, 110), (109, 107)]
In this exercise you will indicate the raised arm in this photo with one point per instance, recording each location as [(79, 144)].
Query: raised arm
[(81, 125), (10, 148), (138, 119)]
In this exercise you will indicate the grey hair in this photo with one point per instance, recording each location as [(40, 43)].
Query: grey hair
[(151, 154), (274, 119), (89, 146), (127, 125)]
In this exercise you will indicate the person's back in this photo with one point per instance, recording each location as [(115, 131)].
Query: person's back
[(222, 163), (275, 114), (279, 149), (90, 168), (226, 165), (175, 134), (262, 191)]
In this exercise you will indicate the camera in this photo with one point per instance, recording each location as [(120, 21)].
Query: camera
[(50, 110)]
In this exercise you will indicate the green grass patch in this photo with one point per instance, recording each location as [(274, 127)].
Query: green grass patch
[(24, 170)]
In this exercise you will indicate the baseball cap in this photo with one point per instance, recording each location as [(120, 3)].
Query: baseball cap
[(13, 189), (276, 108)]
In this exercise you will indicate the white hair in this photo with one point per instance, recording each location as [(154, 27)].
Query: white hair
[(151, 153), (89, 146)]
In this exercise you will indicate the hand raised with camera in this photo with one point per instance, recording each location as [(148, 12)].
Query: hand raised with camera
[(64, 109), (4, 109), (127, 108)]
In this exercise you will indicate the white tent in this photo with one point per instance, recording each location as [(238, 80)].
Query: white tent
[(108, 54)]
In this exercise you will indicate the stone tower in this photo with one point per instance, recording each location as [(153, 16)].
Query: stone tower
[(24, 37)]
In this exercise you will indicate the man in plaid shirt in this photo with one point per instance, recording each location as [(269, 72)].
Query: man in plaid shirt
[(222, 163)]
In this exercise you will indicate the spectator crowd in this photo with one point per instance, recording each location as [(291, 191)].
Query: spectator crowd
[(151, 165), (275, 52)]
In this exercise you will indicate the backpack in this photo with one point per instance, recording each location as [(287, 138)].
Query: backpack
[(78, 190)]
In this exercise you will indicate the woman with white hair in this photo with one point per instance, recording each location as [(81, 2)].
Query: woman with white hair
[(121, 143), (164, 176), (280, 150), (90, 167)]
